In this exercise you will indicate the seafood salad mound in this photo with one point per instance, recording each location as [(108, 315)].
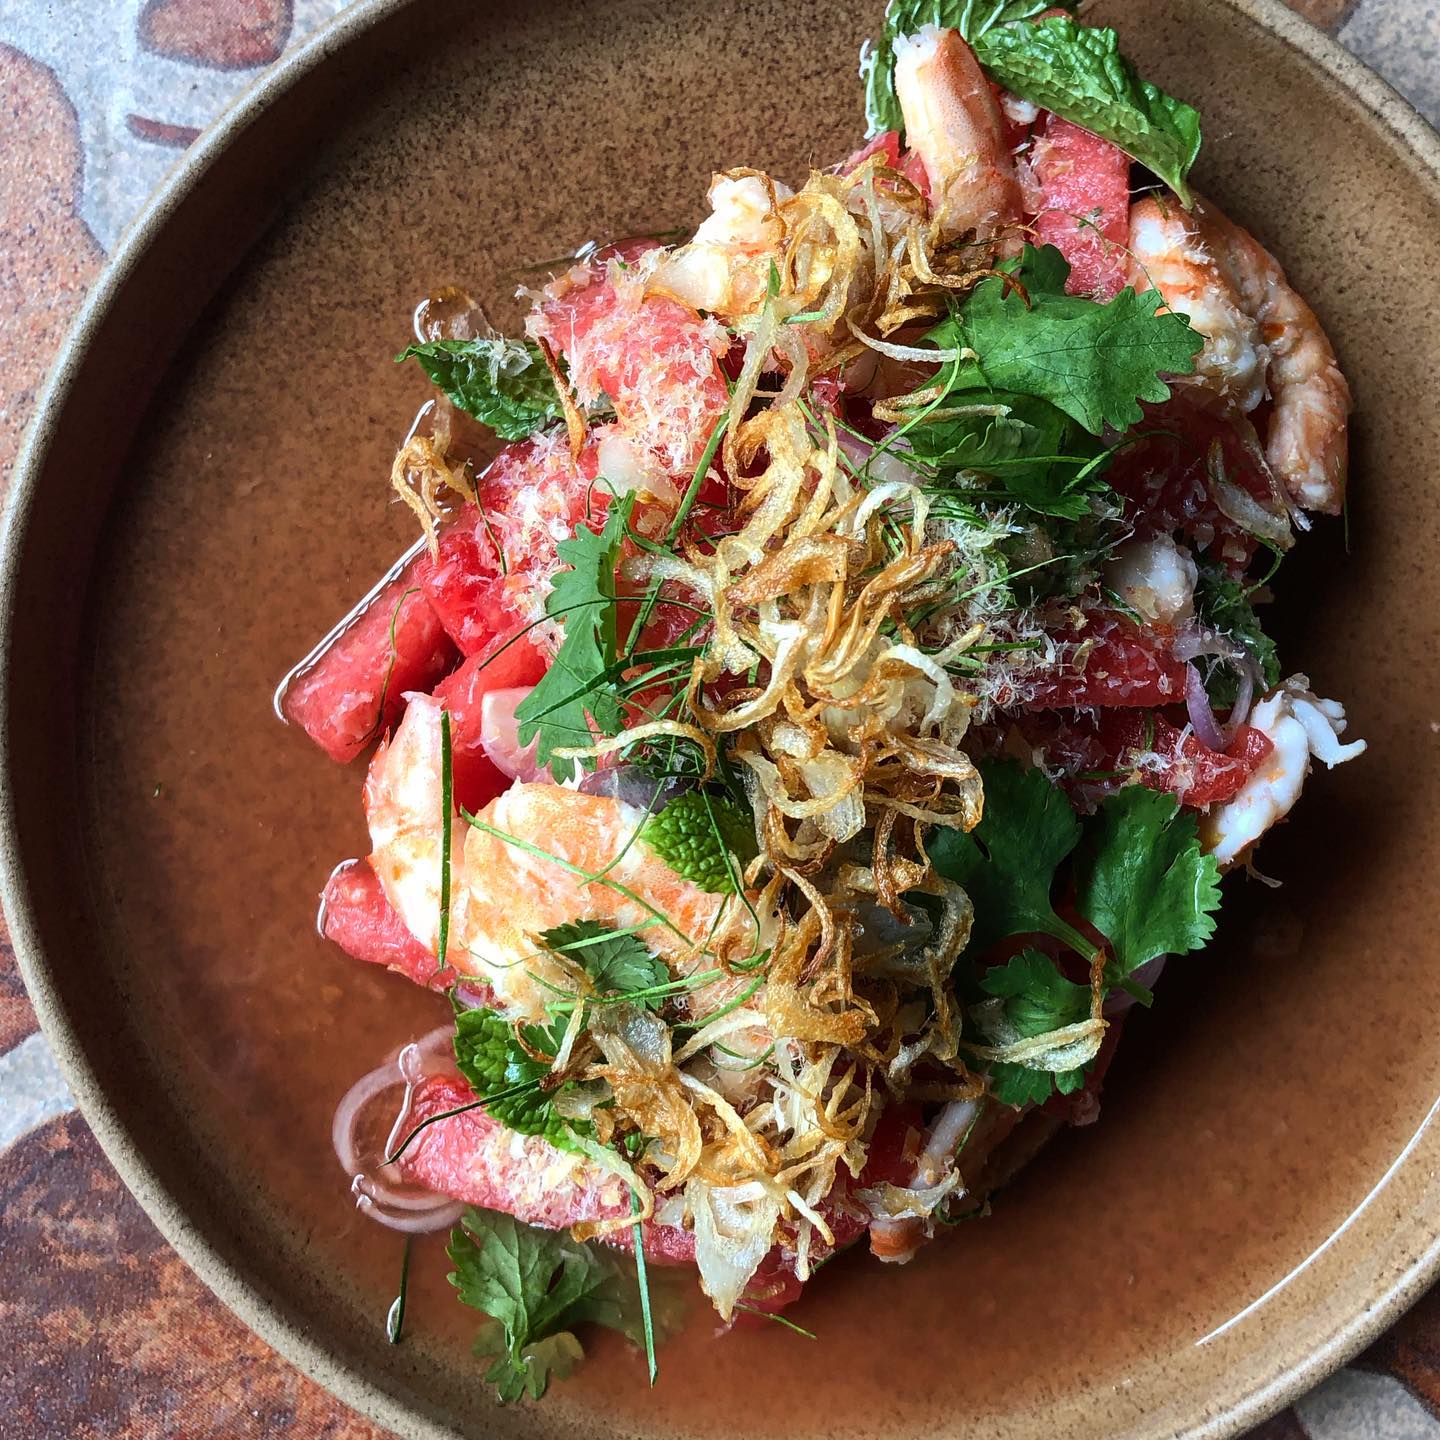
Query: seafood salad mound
[(796, 752)]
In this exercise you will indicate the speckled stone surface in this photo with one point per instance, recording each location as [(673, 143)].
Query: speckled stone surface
[(107, 1332)]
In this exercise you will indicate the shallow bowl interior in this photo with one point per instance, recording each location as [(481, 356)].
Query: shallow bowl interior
[(206, 492)]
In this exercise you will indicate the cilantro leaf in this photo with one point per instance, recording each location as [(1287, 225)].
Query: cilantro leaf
[(503, 383), (537, 1285), (1038, 998), (1007, 863), (617, 964), (1224, 606), (1093, 362), (972, 18), (693, 835), (580, 680), (1032, 998), (508, 1078), (1141, 879), (1078, 72)]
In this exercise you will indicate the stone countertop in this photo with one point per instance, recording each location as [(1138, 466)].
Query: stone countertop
[(106, 1330)]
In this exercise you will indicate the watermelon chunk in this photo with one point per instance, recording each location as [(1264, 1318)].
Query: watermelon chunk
[(354, 688), (1085, 205), (1109, 661), (1179, 763), (1101, 751), (356, 915), (462, 585), (656, 359), (1164, 479), (476, 1159), (508, 662)]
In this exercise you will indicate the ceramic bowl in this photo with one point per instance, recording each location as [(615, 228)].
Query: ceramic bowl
[(204, 490)]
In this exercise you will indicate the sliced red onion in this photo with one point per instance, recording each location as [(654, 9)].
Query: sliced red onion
[(1248, 672), (381, 1193), (1147, 975), (632, 785), (500, 740), (1202, 717)]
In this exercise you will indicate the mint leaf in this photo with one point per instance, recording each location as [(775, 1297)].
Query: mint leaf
[(537, 1285), (580, 681), (1078, 72), (508, 1078), (1007, 863), (617, 964), (693, 835), (503, 383), (1093, 362), (1223, 605), (1141, 879), (972, 18)]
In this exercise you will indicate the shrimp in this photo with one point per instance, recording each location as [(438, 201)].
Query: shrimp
[(725, 268), (952, 121), (1299, 726), (405, 810), (506, 891), (512, 889), (1261, 339)]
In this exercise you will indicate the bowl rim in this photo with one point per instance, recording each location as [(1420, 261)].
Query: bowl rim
[(264, 1315)]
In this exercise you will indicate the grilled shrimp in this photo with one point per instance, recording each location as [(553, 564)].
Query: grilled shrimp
[(1261, 339), (509, 892), (1300, 726), (404, 807), (953, 122), (504, 892)]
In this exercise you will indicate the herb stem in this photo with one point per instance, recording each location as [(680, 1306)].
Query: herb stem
[(395, 1318), (642, 1279)]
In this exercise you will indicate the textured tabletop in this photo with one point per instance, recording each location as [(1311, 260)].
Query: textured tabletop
[(105, 1331)]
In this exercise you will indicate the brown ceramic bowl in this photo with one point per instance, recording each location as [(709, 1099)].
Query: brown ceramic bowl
[(204, 491)]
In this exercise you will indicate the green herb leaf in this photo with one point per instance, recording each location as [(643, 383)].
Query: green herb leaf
[(503, 383), (1035, 451), (1141, 879), (1224, 606), (1078, 72), (1093, 362), (972, 18), (537, 1285), (1007, 863), (507, 1078), (1037, 999), (580, 681), (694, 834), (617, 964)]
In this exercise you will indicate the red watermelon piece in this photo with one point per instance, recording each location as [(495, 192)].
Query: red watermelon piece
[(354, 689), (476, 1159), (507, 662), (1164, 479), (355, 914), (1109, 661), (1085, 205)]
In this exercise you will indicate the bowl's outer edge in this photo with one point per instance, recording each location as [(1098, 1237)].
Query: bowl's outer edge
[(259, 1310)]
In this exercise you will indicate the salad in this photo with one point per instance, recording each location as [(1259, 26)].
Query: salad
[(793, 756)]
